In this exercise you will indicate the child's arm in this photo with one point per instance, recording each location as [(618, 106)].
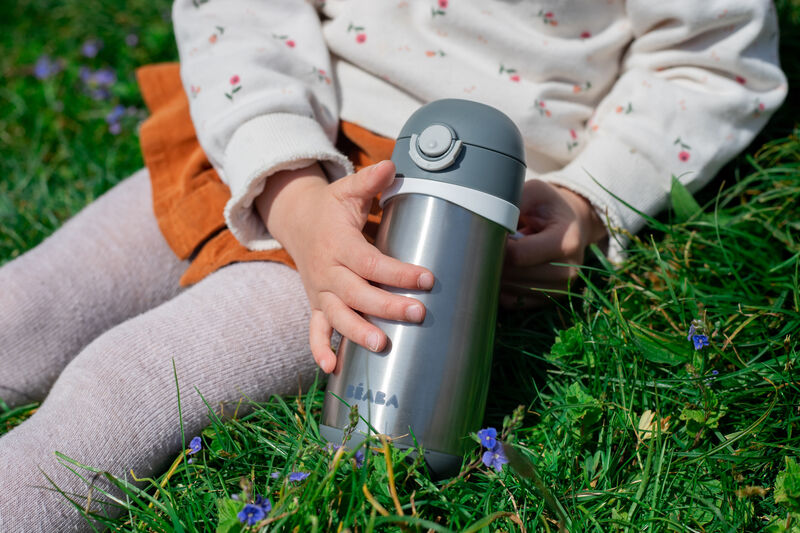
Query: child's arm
[(262, 98), (697, 83), (319, 224)]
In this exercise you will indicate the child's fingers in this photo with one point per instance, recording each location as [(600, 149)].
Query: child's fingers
[(356, 293), (319, 337), (350, 324), (369, 263), (551, 244), (367, 182)]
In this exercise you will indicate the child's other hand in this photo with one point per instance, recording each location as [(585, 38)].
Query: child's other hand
[(319, 224), (558, 225)]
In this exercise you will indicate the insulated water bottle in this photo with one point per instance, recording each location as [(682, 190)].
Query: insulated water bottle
[(460, 166)]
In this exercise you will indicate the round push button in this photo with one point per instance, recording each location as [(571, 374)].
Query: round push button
[(434, 140)]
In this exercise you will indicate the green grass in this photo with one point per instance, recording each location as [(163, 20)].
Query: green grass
[(625, 427)]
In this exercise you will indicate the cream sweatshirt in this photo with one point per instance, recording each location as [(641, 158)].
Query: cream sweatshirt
[(612, 97)]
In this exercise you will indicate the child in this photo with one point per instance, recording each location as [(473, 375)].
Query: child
[(624, 93)]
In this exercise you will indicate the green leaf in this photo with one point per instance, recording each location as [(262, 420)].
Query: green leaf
[(586, 408), (787, 486), (695, 421), (683, 203), (228, 521), (570, 345)]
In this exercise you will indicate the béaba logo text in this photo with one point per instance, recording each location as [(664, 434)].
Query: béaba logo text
[(379, 398)]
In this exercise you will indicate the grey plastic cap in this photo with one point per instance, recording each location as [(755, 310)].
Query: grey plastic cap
[(484, 149)]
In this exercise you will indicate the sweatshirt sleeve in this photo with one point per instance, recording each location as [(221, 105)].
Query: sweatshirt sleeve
[(261, 95), (697, 83)]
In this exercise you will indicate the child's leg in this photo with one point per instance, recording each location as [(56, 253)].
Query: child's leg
[(242, 331), (105, 265)]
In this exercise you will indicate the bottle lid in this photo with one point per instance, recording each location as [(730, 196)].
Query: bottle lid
[(462, 144)]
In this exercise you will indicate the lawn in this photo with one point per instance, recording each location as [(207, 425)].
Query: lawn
[(623, 424)]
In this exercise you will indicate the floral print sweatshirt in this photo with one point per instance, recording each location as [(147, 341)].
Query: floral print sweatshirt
[(612, 97)]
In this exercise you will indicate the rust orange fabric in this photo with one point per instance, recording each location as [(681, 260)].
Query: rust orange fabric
[(188, 195)]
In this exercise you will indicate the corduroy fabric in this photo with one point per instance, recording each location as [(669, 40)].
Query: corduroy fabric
[(188, 195)]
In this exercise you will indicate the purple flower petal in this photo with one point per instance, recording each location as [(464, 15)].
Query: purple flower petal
[(359, 457), (488, 437), (251, 514), (275, 475), (105, 77), (196, 443), (264, 503), (298, 476), (91, 47), (131, 39), (116, 114), (45, 68), (85, 74), (495, 457), (700, 341)]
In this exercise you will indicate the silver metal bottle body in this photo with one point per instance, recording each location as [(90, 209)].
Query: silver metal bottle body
[(432, 379)]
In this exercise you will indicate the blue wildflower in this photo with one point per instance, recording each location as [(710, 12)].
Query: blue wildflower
[(91, 47), (116, 114), (264, 503), (298, 476), (488, 437), (105, 77), (195, 445), (275, 475), (495, 457), (251, 514), (700, 341), (84, 73), (45, 68), (359, 457), (131, 39), (332, 448), (692, 332)]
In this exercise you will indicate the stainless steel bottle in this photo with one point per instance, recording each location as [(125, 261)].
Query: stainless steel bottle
[(460, 166)]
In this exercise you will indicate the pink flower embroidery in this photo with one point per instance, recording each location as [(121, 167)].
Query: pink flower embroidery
[(359, 31), (234, 81), (548, 17), (741, 80), (585, 35), (443, 4), (290, 43), (195, 90), (512, 73), (539, 105), (684, 154), (573, 134), (214, 36)]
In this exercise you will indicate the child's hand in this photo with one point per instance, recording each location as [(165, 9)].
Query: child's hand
[(319, 224), (558, 225)]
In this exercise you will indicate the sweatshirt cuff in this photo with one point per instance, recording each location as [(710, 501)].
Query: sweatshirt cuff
[(261, 147), (622, 176)]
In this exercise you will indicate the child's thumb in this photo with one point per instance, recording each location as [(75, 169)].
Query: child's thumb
[(371, 180)]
